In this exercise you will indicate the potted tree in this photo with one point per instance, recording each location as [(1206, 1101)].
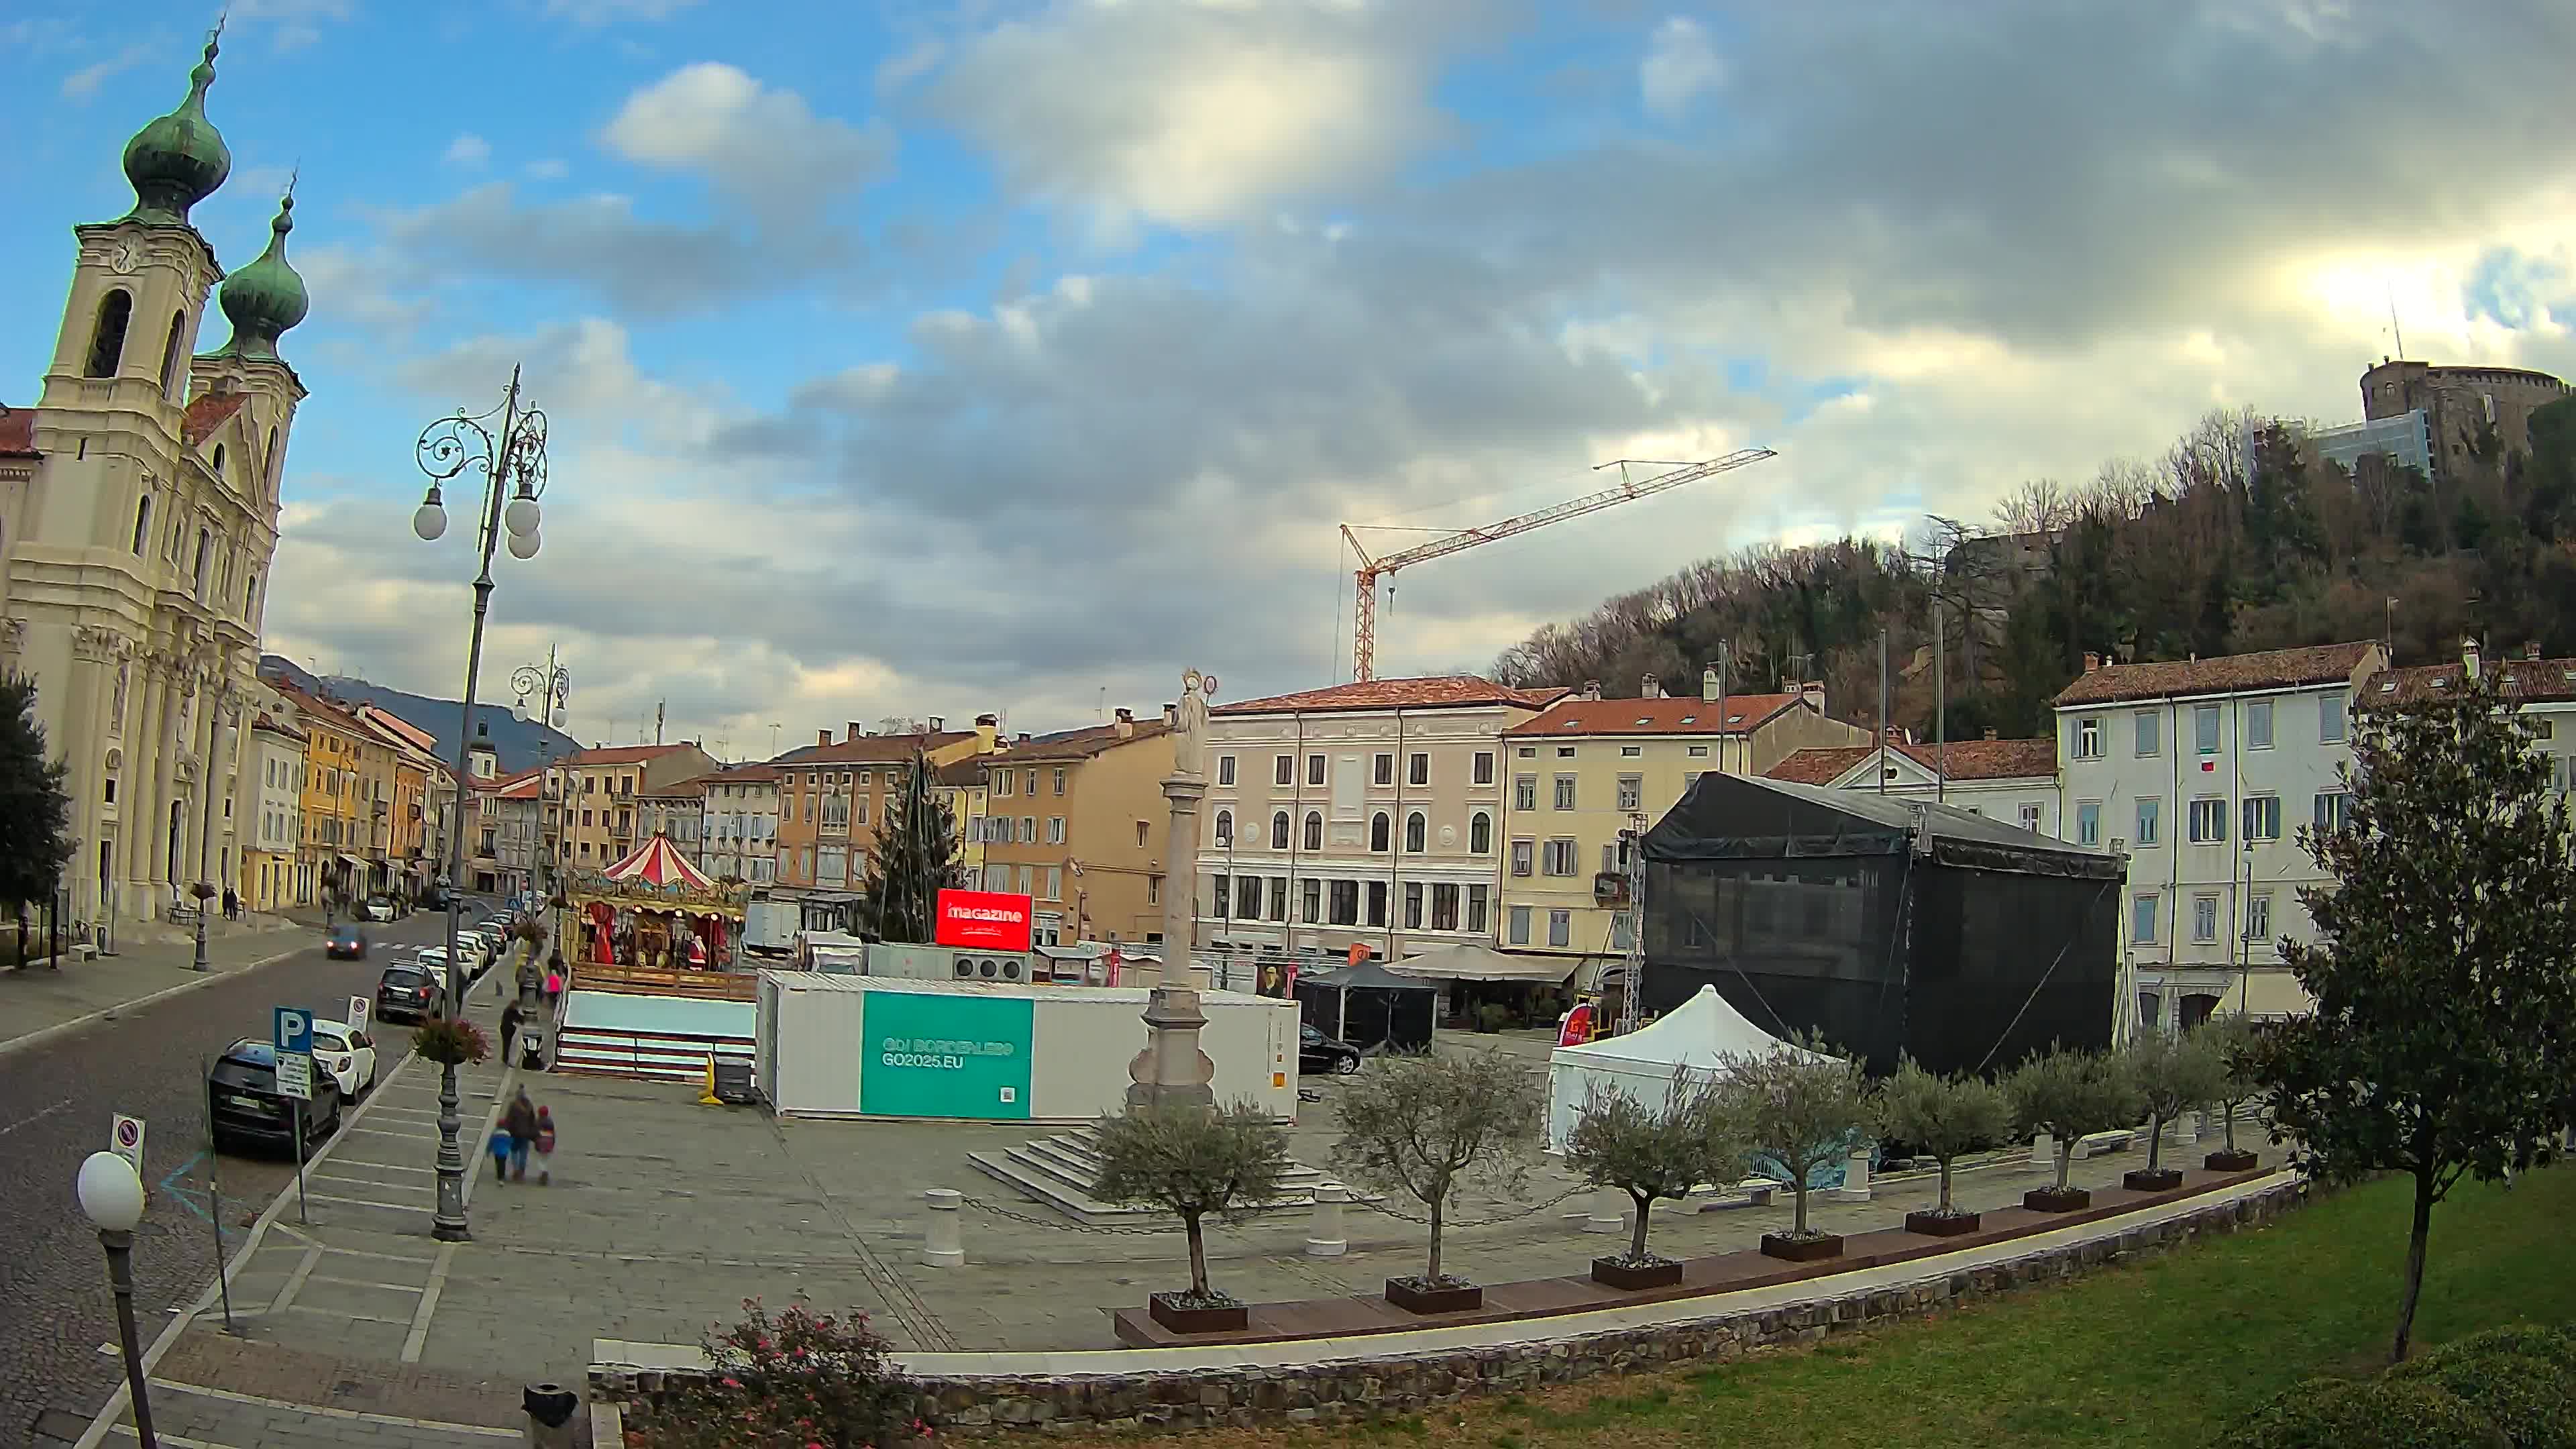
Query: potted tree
[(1429, 1126), (1944, 1118), (2069, 1094), (1799, 1106), (1191, 1163), (2173, 1075), (1650, 1153), (2231, 1040)]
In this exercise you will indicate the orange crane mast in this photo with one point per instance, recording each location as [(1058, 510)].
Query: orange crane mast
[(1364, 622)]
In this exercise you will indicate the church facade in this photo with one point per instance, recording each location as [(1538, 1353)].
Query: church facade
[(139, 499)]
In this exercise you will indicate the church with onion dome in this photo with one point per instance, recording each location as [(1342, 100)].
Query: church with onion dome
[(138, 518)]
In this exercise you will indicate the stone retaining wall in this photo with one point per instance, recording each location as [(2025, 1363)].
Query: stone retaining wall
[(1407, 1383)]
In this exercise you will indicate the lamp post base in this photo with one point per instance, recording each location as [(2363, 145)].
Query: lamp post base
[(120, 1278), (448, 1225)]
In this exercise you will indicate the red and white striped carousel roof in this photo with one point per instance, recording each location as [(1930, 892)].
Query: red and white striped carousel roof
[(656, 863)]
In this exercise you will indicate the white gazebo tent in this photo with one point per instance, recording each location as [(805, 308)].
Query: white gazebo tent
[(1697, 1036)]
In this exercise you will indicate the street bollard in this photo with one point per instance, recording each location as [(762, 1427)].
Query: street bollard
[(2043, 1154), (1326, 1237), (2185, 1128), (1855, 1186), (1609, 1212), (550, 1409), (943, 1234)]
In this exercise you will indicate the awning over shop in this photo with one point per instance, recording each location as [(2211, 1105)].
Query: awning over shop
[(1468, 962)]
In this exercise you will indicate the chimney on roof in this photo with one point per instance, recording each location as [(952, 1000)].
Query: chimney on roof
[(1171, 716), (1592, 689), (1126, 723), (822, 737), (988, 733), (2092, 662), (2469, 655), (2531, 649), (1709, 688), (1023, 739), (938, 724), (1651, 687), (1813, 692), (856, 732), (1990, 732)]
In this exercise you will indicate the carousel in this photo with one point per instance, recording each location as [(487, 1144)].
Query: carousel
[(653, 911)]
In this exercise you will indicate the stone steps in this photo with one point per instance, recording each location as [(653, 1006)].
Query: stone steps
[(1063, 1172)]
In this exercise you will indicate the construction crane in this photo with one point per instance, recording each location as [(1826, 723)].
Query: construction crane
[(1364, 624)]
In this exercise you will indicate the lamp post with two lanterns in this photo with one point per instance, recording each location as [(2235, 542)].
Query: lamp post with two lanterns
[(513, 464)]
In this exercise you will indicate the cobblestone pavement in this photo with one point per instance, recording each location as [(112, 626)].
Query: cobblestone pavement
[(56, 1098)]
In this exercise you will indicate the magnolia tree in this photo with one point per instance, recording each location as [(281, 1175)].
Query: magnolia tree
[(1656, 1152), (2173, 1075), (1798, 1105), (2438, 1048), (2070, 1095), (1945, 1118), (1430, 1126), (1192, 1163)]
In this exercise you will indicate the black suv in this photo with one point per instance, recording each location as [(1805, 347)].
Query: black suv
[(1317, 1053), (244, 1105), (406, 993)]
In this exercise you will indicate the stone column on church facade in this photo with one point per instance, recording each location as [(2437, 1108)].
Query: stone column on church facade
[(142, 795), (84, 745)]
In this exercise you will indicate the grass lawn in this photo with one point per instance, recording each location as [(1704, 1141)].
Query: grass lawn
[(2163, 1352)]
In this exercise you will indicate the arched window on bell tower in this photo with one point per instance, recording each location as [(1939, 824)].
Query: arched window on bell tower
[(142, 523), (170, 374), (107, 340)]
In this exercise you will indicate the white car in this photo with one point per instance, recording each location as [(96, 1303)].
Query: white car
[(349, 1056), (380, 909)]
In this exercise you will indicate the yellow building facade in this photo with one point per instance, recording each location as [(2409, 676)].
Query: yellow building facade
[(1078, 823), (331, 853)]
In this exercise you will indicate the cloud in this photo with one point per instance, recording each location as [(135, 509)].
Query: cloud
[(296, 23), (757, 143), (548, 169), (596, 13), (469, 151), (83, 83), (1200, 112), (1680, 64)]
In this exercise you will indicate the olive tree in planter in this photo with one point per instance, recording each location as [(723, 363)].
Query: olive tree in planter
[(1649, 1153), (1798, 1105), (2230, 1040), (1945, 1118), (2173, 1075), (2069, 1095), (1429, 1126), (1191, 1163)]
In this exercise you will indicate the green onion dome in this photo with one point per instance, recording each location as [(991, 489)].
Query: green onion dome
[(266, 297), (179, 159)]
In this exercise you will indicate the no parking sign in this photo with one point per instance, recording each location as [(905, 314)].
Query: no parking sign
[(125, 1139)]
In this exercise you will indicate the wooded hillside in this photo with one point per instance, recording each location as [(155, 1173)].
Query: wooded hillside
[(2237, 538)]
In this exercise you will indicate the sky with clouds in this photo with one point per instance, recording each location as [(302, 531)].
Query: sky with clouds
[(934, 358)]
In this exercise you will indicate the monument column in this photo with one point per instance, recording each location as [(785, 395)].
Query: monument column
[(1171, 1071)]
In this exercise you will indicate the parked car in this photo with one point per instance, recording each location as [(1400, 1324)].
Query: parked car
[(347, 943), (244, 1106), (349, 1056), (380, 908), (407, 992), (1318, 1053)]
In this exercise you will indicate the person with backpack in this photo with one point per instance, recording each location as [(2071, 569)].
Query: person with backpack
[(545, 1145), (499, 1147)]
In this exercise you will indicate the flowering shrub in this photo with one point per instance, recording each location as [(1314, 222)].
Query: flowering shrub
[(449, 1041), (797, 1378)]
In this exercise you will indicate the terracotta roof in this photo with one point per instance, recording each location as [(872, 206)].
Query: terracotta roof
[(1077, 744), (208, 413), (18, 433), (276, 727), (694, 785), (403, 729), (962, 774), (2228, 674), (1439, 691), (521, 786), (328, 710), (735, 775), (2532, 680), (1743, 714), (872, 749), (620, 754), (1966, 760)]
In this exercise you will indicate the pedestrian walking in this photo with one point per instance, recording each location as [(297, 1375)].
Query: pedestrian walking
[(232, 905), (499, 1147), (512, 1018), (545, 1145), (520, 1121), (554, 987)]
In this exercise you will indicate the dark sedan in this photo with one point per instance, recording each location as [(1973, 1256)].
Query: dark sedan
[(406, 993), (347, 943), (245, 1106), (1318, 1053)]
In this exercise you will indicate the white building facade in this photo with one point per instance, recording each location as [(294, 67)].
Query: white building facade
[(2014, 781), (740, 825), (274, 803), (2202, 772)]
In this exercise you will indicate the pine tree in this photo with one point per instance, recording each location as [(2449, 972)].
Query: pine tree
[(35, 810), (915, 857)]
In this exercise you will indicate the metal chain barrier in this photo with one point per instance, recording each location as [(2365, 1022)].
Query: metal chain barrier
[(1445, 1224), (1108, 1229)]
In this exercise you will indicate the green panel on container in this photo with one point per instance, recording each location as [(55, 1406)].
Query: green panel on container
[(931, 1054)]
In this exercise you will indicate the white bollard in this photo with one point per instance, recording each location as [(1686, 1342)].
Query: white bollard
[(1325, 1235), (943, 1240), (1609, 1212), (2185, 1129), (1855, 1186), (2043, 1154)]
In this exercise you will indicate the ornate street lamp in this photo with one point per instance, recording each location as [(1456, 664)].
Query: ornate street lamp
[(111, 1196), (513, 464)]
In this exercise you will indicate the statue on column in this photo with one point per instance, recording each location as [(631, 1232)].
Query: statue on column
[(1189, 732)]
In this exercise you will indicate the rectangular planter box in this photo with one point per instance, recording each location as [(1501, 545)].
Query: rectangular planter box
[(1178, 1319), (2157, 1179), (1613, 1273), (2239, 1160), (2050, 1200), (1458, 1298), (1935, 1225), (1802, 1250)]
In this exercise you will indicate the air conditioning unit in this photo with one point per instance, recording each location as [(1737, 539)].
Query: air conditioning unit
[(945, 963)]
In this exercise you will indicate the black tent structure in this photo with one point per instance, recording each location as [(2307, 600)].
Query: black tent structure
[(1369, 1006), (1889, 925)]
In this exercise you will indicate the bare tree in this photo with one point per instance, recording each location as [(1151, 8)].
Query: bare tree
[(1798, 1105), (1429, 1126), (1656, 1152), (1192, 1163)]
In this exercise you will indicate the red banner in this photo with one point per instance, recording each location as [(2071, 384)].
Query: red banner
[(1578, 1026), (983, 920)]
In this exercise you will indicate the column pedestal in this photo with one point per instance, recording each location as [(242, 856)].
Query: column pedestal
[(1171, 1071)]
